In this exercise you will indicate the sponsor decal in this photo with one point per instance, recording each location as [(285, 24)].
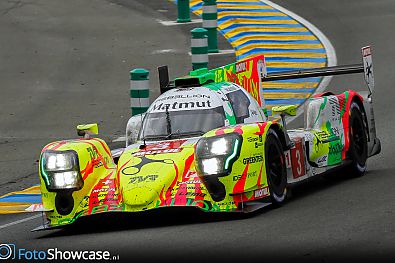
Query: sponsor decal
[(255, 139), (253, 159), (92, 153), (322, 159), (98, 160), (188, 187), (335, 107), (143, 178), (336, 148), (245, 176), (161, 147), (181, 105), (109, 198), (189, 182), (109, 182), (191, 174), (336, 131), (368, 67), (194, 194), (142, 153), (258, 144), (261, 192), (100, 197), (323, 135), (253, 113), (103, 190), (228, 88), (164, 145), (226, 203), (252, 139), (185, 96), (241, 67)]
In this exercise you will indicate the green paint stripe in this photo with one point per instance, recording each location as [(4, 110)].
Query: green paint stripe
[(210, 16), (199, 50), (139, 74), (144, 93), (136, 110)]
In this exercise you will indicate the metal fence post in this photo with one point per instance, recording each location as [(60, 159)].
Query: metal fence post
[(183, 11), (139, 90), (210, 17), (199, 48)]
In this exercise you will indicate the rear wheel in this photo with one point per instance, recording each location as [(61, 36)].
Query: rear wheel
[(275, 168), (358, 150)]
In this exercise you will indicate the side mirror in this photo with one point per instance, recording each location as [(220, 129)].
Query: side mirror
[(133, 128), (289, 110), (86, 130)]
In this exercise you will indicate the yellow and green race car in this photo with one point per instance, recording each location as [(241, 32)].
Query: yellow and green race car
[(209, 143)]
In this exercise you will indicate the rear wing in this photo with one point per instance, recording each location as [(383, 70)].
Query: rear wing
[(365, 67)]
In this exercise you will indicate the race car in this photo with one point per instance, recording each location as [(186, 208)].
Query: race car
[(208, 142)]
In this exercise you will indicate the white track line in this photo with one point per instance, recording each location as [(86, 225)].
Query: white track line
[(175, 23), (330, 51), (20, 221)]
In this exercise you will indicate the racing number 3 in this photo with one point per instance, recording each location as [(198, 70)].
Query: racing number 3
[(297, 156)]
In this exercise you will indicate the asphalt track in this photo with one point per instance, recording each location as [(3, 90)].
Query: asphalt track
[(65, 62)]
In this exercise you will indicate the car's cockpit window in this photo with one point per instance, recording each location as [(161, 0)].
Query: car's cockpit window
[(176, 124), (240, 104)]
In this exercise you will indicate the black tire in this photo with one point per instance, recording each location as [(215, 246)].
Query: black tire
[(358, 150), (275, 168)]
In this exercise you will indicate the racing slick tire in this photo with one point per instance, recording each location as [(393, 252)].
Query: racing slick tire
[(358, 150), (275, 168)]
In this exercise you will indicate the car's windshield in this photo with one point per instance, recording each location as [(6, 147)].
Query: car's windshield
[(174, 124)]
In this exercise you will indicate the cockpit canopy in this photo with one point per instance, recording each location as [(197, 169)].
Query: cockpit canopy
[(189, 112)]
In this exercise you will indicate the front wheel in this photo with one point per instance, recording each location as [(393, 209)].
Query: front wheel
[(275, 168), (358, 150)]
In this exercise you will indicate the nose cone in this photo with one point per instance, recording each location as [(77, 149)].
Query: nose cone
[(146, 176), (140, 196)]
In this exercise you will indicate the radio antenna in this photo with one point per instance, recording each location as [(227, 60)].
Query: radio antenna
[(142, 127), (168, 121)]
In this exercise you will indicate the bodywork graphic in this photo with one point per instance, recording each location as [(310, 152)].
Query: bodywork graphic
[(207, 143)]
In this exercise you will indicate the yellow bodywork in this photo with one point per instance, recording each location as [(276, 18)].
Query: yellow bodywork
[(161, 174)]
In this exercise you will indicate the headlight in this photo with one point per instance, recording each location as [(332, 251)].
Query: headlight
[(60, 170), (216, 155)]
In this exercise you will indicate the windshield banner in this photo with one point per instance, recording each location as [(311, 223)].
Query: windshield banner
[(246, 73), (180, 100)]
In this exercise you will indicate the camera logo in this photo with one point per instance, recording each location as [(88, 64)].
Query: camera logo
[(7, 251)]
